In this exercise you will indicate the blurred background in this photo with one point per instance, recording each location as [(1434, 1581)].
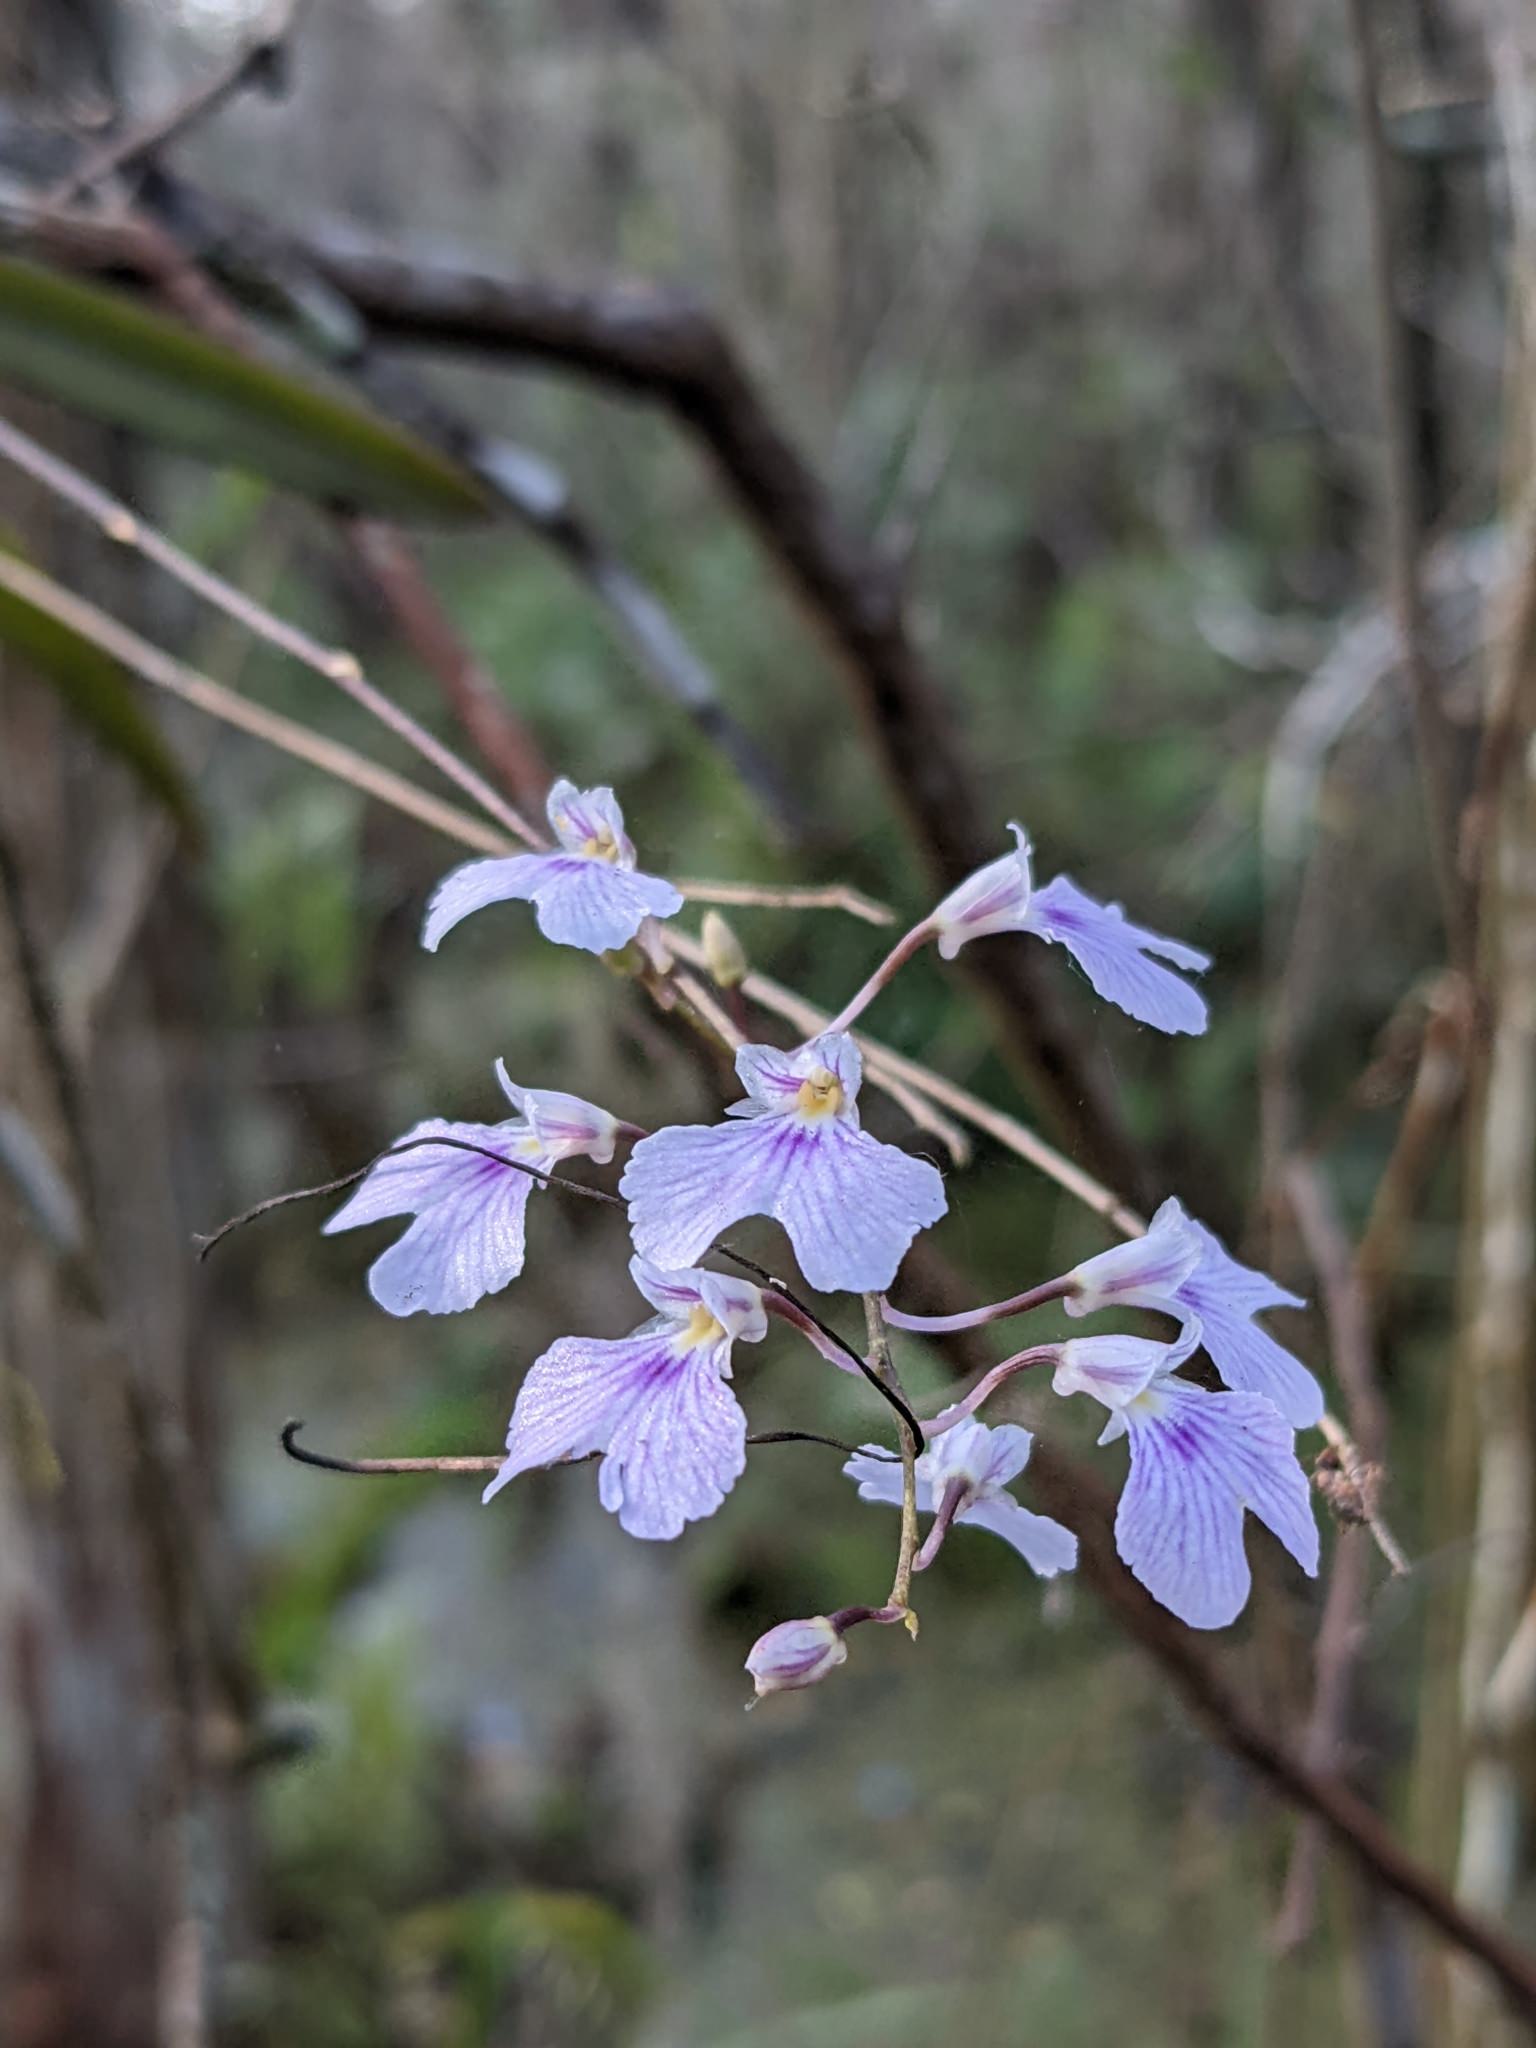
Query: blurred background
[(843, 427)]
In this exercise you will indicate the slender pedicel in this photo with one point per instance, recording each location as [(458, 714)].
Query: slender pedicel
[(988, 1384), (956, 1494), (919, 936), (993, 1312)]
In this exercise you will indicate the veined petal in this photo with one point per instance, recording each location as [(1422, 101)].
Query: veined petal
[(676, 1453), (564, 1125), (1219, 1280), (977, 1454), (736, 1305), (773, 1078), (852, 1206), (1251, 1361), (1045, 1546), (467, 1241), (1197, 1460), (994, 899), (596, 907), (1116, 957), (1144, 1272), (879, 1479), (474, 884), (687, 1183), (675, 1294), (589, 822), (1115, 1368), (573, 1397)]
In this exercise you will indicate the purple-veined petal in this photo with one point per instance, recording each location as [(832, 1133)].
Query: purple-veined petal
[(773, 1078), (596, 907), (994, 899), (1144, 1272), (573, 1397), (676, 1453), (852, 1206), (467, 1240), (1045, 1546), (977, 1454), (564, 1125), (1197, 1460), (1251, 1361), (473, 885), (736, 1305), (1116, 957), (673, 1293), (1115, 1368), (879, 1479), (795, 1654), (1219, 1280), (589, 822), (687, 1183)]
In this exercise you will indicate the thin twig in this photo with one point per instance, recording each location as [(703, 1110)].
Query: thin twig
[(124, 526), (911, 1444), (815, 896), (478, 1466)]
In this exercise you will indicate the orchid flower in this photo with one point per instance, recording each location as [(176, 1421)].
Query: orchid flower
[(1117, 956), (1184, 1270), (656, 1404), (467, 1239), (1198, 1460), (587, 894), (962, 1477), (796, 1152)]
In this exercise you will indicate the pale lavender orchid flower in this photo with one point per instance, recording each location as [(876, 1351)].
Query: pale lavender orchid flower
[(468, 1237), (656, 1403), (587, 893), (1198, 1460), (1117, 956), (1184, 1270), (962, 1476), (850, 1204)]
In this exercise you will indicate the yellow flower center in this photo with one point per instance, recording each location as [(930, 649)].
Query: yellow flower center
[(701, 1328), (601, 845), (820, 1093)]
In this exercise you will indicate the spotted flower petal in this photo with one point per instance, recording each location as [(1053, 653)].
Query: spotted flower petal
[(655, 1403), (467, 1240), (1118, 957), (850, 1205)]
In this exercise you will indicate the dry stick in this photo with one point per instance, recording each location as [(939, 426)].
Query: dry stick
[(124, 526), (791, 896), (152, 665), (1434, 741), (370, 1468)]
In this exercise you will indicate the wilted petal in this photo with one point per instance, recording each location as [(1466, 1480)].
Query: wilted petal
[(852, 1206), (1115, 956), (994, 899), (1045, 1546), (1144, 1272), (467, 1240), (1197, 1460)]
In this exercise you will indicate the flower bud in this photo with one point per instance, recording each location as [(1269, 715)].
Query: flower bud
[(795, 1654), (724, 954)]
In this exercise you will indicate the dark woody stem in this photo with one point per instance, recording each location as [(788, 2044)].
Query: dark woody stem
[(899, 955), (973, 1318)]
